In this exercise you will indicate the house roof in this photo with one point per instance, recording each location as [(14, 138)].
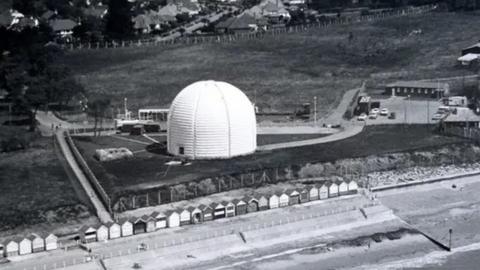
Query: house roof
[(142, 21), (62, 25), (476, 45), (98, 11), (243, 21), (468, 57), (47, 15), (226, 23), (419, 84), (204, 207), (123, 221), (170, 10), (462, 115)]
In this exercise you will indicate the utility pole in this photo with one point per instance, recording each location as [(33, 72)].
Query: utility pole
[(315, 110)]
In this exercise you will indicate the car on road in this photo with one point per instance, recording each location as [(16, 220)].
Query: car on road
[(362, 117), (375, 110), (384, 112), (373, 115), (392, 115)]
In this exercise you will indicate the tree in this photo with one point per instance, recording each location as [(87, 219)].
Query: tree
[(98, 108), (119, 23)]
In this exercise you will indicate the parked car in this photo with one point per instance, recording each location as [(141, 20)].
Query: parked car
[(384, 112), (392, 115), (373, 115), (438, 116), (362, 117), (375, 110)]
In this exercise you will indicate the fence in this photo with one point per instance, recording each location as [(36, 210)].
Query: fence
[(248, 36), (88, 173), (159, 244)]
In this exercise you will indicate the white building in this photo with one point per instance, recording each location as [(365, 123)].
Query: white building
[(209, 120)]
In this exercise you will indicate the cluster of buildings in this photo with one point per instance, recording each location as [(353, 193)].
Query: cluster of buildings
[(27, 245), (269, 13), (216, 210)]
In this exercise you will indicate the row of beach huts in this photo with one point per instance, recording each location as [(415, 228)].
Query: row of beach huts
[(202, 213), (26, 245)]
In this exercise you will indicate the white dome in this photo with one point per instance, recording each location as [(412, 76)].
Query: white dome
[(210, 119)]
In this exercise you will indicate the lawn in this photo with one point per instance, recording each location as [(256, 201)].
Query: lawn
[(283, 71), (36, 193), (147, 169)]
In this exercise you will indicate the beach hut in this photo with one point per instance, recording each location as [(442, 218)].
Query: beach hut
[(139, 225), (342, 188), (25, 246), (127, 227), (88, 234), (102, 233), (173, 218), (294, 196), (273, 201), (303, 194), (252, 204), (283, 199), (185, 217), (114, 230), (11, 247), (262, 202), (323, 191), (160, 220), (218, 210), (332, 189), (38, 243), (352, 187), (150, 223), (229, 209), (195, 215), (241, 206), (313, 192), (207, 212), (51, 242)]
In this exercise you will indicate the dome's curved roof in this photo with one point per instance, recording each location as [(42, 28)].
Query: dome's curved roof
[(210, 119)]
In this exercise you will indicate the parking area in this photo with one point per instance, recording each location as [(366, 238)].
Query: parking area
[(406, 110)]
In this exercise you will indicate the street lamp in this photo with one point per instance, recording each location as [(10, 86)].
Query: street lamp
[(405, 108), (315, 109)]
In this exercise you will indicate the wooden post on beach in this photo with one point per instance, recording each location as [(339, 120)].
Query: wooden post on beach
[(450, 240)]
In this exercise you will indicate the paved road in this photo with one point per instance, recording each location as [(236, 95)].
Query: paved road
[(101, 212)]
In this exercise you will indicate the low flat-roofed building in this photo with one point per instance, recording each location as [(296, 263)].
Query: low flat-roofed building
[(462, 117), (418, 89)]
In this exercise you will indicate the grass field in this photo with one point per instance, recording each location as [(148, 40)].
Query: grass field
[(36, 192), (147, 169), (285, 70)]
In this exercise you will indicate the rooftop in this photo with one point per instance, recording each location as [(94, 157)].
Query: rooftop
[(419, 84), (462, 115)]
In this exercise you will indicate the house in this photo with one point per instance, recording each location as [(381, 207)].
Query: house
[(51, 242), (262, 202), (160, 220), (283, 199), (38, 243), (25, 246), (352, 187), (11, 247), (323, 191), (170, 10), (218, 210), (241, 24), (229, 209), (313, 192), (10, 18), (294, 196), (418, 89), (185, 217), (196, 215), (332, 189), (63, 28), (48, 15), (461, 117), (95, 11), (240, 206), (342, 188), (303, 194), (102, 233), (127, 227), (114, 230), (252, 204), (88, 234), (207, 212), (173, 218), (141, 24), (473, 49), (273, 201)]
